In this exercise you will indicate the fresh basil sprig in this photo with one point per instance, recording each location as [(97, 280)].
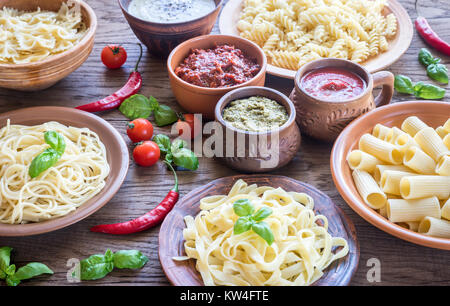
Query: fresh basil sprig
[(13, 278), (176, 152), (249, 220), (435, 70), (139, 106), (98, 266), (50, 156), (403, 84)]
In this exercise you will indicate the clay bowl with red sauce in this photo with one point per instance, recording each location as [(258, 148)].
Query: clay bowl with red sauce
[(202, 100), (161, 38)]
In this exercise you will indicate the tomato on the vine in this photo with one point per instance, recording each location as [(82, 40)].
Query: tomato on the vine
[(189, 126), (146, 153), (114, 56), (140, 130)]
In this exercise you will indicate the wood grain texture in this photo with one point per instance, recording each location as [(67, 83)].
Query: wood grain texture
[(183, 273), (402, 263)]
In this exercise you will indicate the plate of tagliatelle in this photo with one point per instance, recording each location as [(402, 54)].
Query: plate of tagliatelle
[(373, 33), (58, 165), (258, 230)]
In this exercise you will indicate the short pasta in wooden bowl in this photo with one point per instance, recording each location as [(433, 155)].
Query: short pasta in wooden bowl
[(392, 166)]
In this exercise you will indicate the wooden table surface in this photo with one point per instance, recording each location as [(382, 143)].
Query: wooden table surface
[(402, 263)]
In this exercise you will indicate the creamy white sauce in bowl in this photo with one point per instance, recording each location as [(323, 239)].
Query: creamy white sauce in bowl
[(170, 11)]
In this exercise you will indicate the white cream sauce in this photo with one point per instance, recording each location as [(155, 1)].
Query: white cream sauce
[(170, 11)]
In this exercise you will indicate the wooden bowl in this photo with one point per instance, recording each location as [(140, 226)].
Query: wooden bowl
[(43, 74), (162, 38), (183, 273), (397, 45), (282, 144), (203, 100), (117, 155), (432, 113)]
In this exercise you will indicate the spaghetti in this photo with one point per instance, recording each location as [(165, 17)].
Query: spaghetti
[(77, 177)]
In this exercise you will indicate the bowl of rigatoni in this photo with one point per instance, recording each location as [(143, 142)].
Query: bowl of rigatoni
[(392, 167)]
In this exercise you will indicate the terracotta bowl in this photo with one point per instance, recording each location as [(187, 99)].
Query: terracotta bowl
[(161, 38), (203, 100), (325, 119), (278, 146), (117, 155), (432, 113), (184, 273), (43, 74)]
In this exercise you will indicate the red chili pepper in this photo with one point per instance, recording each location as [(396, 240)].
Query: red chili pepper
[(430, 37), (150, 219), (113, 101)]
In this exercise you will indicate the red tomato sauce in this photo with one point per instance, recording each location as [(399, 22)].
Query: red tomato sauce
[(222, 66), (333, 84)]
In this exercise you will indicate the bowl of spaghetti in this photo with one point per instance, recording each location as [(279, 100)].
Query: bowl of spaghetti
[(42, 42), (47, 184)]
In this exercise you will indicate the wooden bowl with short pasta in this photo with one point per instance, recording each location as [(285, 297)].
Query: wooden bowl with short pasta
[(43, 47), (392, 167)]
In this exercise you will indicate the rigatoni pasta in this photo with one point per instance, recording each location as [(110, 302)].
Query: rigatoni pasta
[(416, 189)]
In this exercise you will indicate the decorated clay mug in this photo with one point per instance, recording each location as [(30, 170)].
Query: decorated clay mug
[(324, 119)]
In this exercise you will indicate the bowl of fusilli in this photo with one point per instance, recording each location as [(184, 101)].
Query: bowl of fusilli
[(373, 33), (43, 41)]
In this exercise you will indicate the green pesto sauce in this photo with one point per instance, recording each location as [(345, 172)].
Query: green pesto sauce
[(255, 114)]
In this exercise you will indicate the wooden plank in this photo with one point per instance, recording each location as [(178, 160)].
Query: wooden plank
[(402, 263)]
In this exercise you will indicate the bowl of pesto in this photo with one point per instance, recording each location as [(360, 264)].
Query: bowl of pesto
[(259, 129), (163, 24)]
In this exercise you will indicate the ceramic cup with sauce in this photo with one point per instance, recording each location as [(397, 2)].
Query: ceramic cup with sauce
[(281, 144), (324, 119)]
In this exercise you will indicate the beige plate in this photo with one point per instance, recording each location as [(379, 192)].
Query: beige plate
[(432, 113), (117, 155), (397, 46), (183, 273)]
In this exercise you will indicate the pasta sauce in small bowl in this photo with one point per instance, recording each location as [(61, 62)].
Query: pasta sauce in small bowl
[(334, 84), (330, 93)]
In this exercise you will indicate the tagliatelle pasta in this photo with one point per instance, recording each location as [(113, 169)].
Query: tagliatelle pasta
[(294, 32), (27, 37), (301, 250)]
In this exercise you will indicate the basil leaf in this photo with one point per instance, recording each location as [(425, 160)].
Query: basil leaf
[(403, 84), (164, 115), (154, 103), (178, 144), (163, 143), (438, 72), (243, 208), (262, 213), (169, 158), (136, 106), (10, 270), (5, 258), (264, 231), (129, 259), (242, 225), (43, 161), (96, 266), (185, 158), (425, 57), (28, 271), (428, 91), (56, 141), (12, 282)]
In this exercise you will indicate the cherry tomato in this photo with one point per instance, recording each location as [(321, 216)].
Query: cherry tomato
[(185, 126), (114, 56), (146, 154), (140, 130)]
